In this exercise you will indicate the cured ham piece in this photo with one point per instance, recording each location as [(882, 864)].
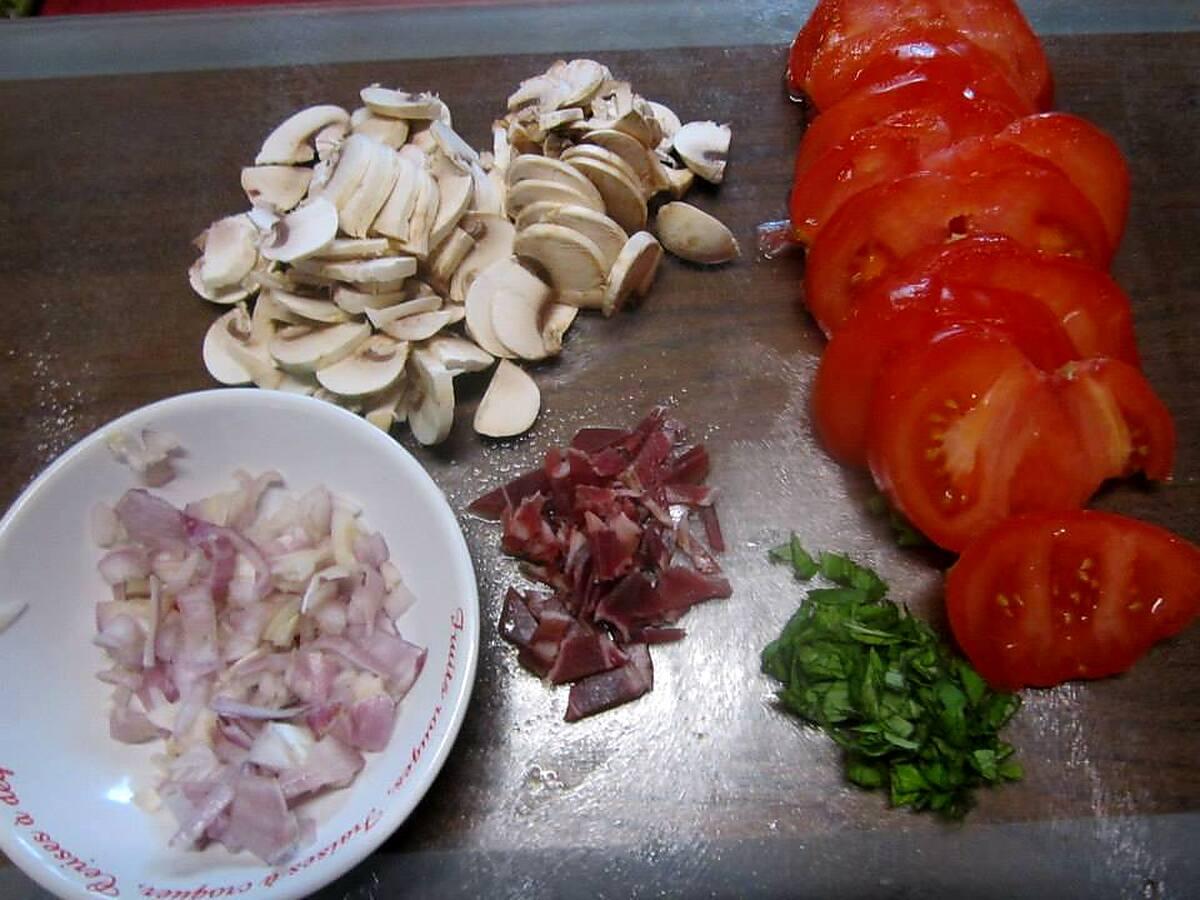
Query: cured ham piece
[(605, 524)]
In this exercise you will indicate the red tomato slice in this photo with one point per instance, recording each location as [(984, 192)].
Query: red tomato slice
[(875, 230), (1088, 156), (842, 34), (894, 318), (1087, 301), (966, 431), (954, 102), (1124, 425), (1042, 599)]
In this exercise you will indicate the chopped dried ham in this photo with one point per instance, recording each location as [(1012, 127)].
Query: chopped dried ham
[(604, 523), (262, 644)]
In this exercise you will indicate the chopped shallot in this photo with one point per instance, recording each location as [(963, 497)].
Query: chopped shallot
[(262, 647), (605, 525)]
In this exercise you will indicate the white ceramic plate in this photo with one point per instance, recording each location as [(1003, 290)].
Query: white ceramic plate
[(66, 811)]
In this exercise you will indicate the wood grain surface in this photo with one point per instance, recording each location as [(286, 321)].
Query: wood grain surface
[(103, 184)]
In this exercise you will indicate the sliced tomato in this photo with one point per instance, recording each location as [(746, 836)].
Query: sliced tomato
[(967, 432), (1087, 301), (1089, 157), (952, 101), (876, 230), (1124, 425), (841, 35), (890, 320), (1043, 599)]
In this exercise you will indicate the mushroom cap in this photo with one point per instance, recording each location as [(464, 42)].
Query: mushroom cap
[(703, 147), (302, 232), (510, 404), (374, 366), (288, 143), (279, 187)]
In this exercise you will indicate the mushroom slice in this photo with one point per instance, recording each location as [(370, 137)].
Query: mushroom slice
[(642, 162), (454, 196), (633, 271), (365, 202), (354, 248), (391, 132), (329, 139), (393, 218), (580, 80), (510, 404), (528, 167), (400, 105), (288, 143), (302, 232), (230, 252), (357, 302), (487, 191), (418, 327), (361, 271), (279, 187), (639, 124), (516, 310), (503, 275), (540, 91), (267, 311), (383, 316), (354, 158), (604, 155), (424, 216), (623, 198), (694, 235), (448, 256), (680, 181), (231, 353), (460, 355), (386, 409), (502, 154), (572, 262), (548, 122), (535, 190), (703, 147), (311, 309), (292, 384), (607, 235), (431, 415), (459, 152), (557, 319), (493, 236), (224, 296), (668, 123), (374, 366), (302, 349)]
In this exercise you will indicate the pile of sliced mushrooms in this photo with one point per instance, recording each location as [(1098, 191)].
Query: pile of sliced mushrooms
[(373, 234)]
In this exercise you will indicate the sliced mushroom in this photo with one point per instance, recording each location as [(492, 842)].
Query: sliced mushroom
[(458, 354), (230, 252), (431, 414), (580, 80), (557, 319), (493, 236), (680, 181), (303, 349), (639, 123), (288, 143), (573, 263), (267, 312), (400, 105), (502, 275), (528, 167), (419, 327), (358, 302), (487, 191), (703, 147), (292, 384), (517, 306), (668, 123), (329, 139), (231, 353), (310, 309), (510, 404), (224, 296), (387, 408), (633, 272), (540, 91), (603, 155), (548, 122), (641, 161), (374, 366), (694, 235), (623, 198), (302, 232), (383, 270), (462, 154), (535, 190), (448, 256), (607, 235), (354, 158), (280, 187), (424, 215), (502, 153), (392, 132), (393, 219), (357, 214), (454, 196), (354, 248), (382, 316)]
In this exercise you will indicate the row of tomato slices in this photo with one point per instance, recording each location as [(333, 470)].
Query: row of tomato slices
[(981, 361)]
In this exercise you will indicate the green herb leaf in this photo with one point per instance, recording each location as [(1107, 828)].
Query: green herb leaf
[(793, 553), (912, 716)]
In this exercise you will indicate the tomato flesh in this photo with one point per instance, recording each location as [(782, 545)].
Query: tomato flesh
[(1046, 598), (876, 230)]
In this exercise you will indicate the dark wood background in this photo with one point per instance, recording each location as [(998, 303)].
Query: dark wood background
[(702, 787)]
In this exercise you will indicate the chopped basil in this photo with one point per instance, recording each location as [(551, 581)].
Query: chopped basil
[(912, 716)]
